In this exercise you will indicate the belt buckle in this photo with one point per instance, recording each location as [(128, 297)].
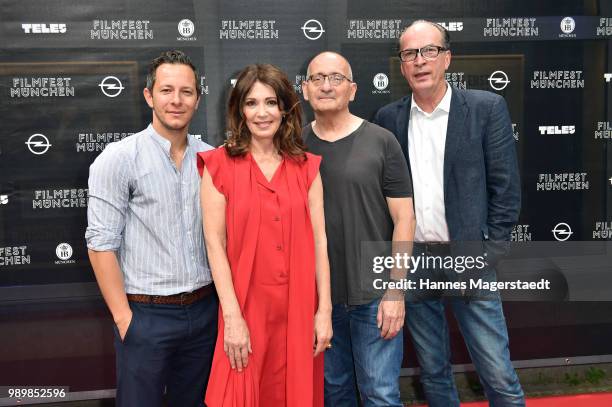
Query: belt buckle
[(183, 298)]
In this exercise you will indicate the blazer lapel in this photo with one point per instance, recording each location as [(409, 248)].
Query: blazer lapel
[(401, 123), (455, 131)]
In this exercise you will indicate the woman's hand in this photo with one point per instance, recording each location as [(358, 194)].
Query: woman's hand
[(322, 331), (236, 341)]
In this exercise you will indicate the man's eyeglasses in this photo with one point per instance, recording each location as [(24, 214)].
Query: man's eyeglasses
[(427, 52), (335, 79)]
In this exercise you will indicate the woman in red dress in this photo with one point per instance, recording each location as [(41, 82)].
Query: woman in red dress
[(262, 203)]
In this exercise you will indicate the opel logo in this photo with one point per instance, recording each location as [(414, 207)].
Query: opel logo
[(111, 86), (312, 29), (562, 232), (38, 144), (498, 80)]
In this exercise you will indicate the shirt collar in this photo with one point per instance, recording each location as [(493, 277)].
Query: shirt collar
[(444, 104), (163, 142)]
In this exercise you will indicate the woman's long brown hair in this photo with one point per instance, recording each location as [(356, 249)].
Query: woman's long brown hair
[(288, 137)]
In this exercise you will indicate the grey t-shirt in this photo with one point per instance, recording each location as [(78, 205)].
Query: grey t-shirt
[(358, 171)]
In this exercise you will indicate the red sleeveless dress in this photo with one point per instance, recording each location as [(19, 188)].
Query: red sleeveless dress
[(270, 248)]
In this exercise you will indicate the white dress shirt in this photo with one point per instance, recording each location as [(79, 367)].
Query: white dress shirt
[(426, 144)]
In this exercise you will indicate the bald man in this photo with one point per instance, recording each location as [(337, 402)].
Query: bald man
[(368, 197)]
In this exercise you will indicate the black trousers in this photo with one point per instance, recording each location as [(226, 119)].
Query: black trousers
[(166, 354)]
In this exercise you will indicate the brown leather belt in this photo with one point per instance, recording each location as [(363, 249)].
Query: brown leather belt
[(176, 299)]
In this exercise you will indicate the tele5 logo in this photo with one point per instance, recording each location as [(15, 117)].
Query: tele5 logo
[(557, 129), (452, 26), (32, 28)]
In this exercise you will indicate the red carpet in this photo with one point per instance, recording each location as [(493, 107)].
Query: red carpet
[(581, 400)]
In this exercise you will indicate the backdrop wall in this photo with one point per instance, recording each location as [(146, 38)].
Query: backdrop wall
[(71, 80)]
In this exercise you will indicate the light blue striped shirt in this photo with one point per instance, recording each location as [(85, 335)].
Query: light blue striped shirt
[(147, 211)]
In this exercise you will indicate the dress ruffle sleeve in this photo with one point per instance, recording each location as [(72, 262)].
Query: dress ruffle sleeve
[(213, 160), (312, 168)]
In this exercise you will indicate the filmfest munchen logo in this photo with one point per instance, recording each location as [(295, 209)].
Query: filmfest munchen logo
[(608, 77), (111, 86), (381, 81), (498, 80), (313, 29), (562, 231), (3, 199), (38, 144)]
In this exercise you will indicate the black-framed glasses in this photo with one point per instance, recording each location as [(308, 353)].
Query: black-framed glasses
[(427, 52), (335, 79)]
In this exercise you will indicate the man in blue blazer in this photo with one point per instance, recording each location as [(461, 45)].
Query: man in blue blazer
[(462, 158)]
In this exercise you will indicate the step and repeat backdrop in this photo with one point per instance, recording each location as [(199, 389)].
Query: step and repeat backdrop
[(71, 81)]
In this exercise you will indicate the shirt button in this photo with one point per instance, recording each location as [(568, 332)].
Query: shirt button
[(279, 247), (276, 219)]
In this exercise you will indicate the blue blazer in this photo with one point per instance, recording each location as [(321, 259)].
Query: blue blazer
[(482, 194)]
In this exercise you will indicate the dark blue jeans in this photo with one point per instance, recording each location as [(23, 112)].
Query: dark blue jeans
[(361, 359), (484, 331), (167, 348)]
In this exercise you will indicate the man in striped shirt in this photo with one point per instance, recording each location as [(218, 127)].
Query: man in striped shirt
[(146, 247)]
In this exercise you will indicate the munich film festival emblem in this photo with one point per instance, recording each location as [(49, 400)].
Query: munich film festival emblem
[(38, 144), (520, 233), (186, 28), (3, 199), (558, 79), (14, 255), (511, 27), (63, 251), (111, 86), (605, 27), (515, 132), (297, 86), (248, 30), (603, 131), (603, 230), (312, 29), (28, 87), (121, 30), (563, 181), (369, 29)]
